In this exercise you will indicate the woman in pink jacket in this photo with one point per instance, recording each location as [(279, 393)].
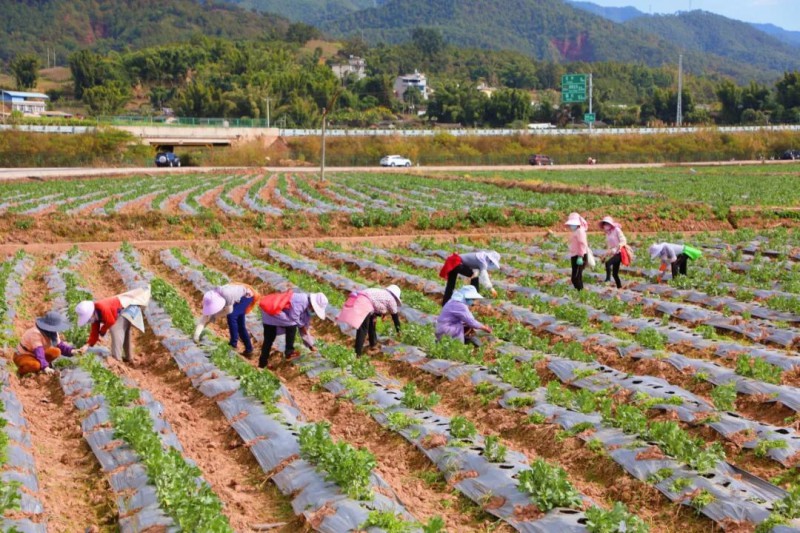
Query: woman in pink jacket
[(615, 240), (578, 248)]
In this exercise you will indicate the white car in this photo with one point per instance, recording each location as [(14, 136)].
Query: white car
[(395, 161)]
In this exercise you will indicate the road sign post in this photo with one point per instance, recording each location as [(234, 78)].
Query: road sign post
[(573, 88)]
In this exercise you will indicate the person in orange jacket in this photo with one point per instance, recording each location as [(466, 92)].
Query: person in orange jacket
[(105, 315)]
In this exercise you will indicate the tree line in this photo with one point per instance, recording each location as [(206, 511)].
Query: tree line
[(292, 83)]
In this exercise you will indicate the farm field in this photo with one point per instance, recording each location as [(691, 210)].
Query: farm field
[(656, 407), (281, 205)]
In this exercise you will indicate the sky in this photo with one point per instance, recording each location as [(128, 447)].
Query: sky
[(783, 13)]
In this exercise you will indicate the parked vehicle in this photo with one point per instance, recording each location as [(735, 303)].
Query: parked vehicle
[(395, 161), (539, 160), (167, 159), (791, 155)]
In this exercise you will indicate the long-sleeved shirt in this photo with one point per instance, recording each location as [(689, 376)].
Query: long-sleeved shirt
[(578, 243), (234, 292), (34, 343), (479, 262), (106, 313), (669, 252), (454, 319), (615, 240), (296, 315), (383, 303)]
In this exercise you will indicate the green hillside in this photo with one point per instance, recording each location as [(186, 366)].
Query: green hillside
[(308, 11), (706, 32), (547, 30), (69, 25)]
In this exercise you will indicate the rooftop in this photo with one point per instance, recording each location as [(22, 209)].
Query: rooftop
[(20, 94)]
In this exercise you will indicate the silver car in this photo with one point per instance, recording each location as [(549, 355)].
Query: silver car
[(395, 161)]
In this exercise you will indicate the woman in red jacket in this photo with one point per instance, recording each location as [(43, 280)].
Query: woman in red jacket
[(115, 314)]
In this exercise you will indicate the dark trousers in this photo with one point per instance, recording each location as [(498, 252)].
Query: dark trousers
[(679, 266), (462, 270), (270, 332), (237, 326), (612, 269), (577, 271), (366, 328)]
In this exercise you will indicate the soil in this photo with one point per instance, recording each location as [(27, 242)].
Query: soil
[(73, 489), (207, 439)]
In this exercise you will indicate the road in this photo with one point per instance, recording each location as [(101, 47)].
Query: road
[(50, 173)]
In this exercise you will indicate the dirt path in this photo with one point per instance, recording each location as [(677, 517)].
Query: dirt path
[(73, 489), (227, 465)]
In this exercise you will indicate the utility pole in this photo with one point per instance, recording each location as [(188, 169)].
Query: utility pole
[(325, 111), (679, 118), (268, 99)]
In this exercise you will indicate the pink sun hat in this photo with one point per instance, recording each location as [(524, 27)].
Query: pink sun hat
[(213, 303)]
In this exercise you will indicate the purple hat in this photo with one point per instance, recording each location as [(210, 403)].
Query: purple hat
[(213, 303)]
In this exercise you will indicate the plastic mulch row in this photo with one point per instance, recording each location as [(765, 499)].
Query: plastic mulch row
[(736, 491), (271, 438)]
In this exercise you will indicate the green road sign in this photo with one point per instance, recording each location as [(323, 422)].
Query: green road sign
[(573, 88), (589, 118)]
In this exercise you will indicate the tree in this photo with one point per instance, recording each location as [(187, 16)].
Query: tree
[(25, 68), (106, 99), (507, 106), (87, 71), (299, 32), (428, 41), (730, 96)]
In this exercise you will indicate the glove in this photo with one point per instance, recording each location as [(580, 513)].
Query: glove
[(197, 332), (494, 293), (579, 262), (49, 370)]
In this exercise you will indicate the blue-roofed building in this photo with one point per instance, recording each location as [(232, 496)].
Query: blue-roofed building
[(25, 103)]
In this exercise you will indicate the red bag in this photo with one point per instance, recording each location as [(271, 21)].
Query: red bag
[(452, 262), (273, 304), (625, 255)]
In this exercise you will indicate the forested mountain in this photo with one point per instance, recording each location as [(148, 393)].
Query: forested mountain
[(556, 31), (788, 37), (706, 32), (616, 14), (69, 25), (308, 11)]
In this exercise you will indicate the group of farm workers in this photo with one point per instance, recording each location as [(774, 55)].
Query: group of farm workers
[(286, 313), (618, 252)]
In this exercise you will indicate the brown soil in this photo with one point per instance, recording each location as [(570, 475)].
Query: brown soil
[(73, 489), (399, 463), (139, 206), (225, 462)]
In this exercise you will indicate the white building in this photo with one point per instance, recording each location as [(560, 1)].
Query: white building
[(355, 66), (26, 103), (402, 84)]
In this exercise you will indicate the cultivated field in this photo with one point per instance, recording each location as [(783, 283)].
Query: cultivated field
[(660, 407)]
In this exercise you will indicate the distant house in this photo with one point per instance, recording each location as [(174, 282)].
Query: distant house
[(26, 103), (403, 83), (355, 66)]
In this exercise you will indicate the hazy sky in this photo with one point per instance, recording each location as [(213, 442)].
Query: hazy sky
[(783, 13)]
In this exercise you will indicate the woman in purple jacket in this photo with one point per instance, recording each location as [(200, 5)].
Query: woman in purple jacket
[(296, 314), (456, 320)]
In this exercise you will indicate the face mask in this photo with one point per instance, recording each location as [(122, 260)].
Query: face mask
[(573, 228), (469, 302)]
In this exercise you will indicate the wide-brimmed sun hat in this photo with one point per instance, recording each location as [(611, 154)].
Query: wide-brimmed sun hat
[(394, 290), (319, 302), (468, 292), (574, 219), (53, 322), (655, 250), (494, 258), (213, 303), (84, 310), (610, 221)]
